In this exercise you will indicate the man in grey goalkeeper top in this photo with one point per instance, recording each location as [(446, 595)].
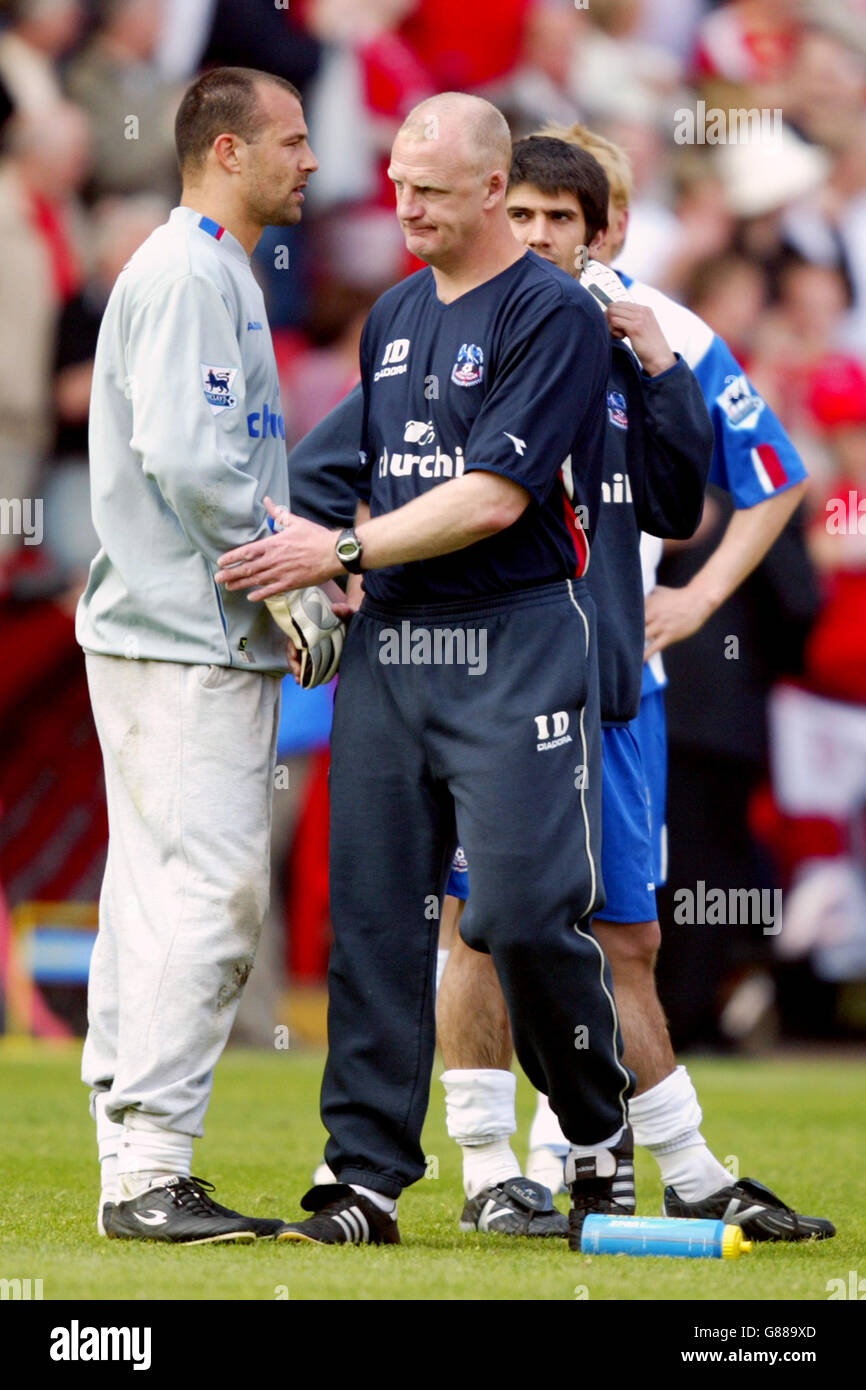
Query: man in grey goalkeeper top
[(186, 440)]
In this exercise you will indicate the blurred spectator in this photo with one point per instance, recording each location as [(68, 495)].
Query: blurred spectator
[(748, 42), (369, 79), (200, 34), (328, 370), (729, 292), (617, 73), (762, 181), (45, 164), (704, 225), (836, 656), (798, 336), (39, 33), (119, 228), (671, 24), (831, 228), (131, 107), (825, 89), (716, 703), (465, 49), (542, 87)]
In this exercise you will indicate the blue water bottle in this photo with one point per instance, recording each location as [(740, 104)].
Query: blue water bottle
[(662, 1235)]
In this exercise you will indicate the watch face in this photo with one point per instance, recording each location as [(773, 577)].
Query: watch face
[(348, 549)]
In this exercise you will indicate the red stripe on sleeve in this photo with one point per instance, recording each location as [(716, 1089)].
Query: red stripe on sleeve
[(773, 464)]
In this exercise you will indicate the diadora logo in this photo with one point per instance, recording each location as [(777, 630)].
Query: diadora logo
[(266, 422), (394, 358), (436, 465), (253, 323), (552, 730), (617, 490), (469, 367), (519, 444), (419, 432)]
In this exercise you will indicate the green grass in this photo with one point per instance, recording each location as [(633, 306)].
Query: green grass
[(794, 1124)]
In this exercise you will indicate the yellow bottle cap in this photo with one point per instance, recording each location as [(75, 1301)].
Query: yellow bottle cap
[(733, 1244)]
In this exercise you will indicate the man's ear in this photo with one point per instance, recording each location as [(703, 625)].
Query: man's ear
[(225, 147), (597, 242), (497, 186)]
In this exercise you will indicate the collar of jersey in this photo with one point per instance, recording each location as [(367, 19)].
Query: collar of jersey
[(509, 269), (226, 242)]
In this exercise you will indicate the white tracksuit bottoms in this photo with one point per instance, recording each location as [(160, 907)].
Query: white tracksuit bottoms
[(189, 754)]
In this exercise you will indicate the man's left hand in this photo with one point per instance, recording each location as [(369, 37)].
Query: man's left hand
[(299, 554)]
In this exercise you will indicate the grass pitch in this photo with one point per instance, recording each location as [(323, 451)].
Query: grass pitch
[(793, 1124)]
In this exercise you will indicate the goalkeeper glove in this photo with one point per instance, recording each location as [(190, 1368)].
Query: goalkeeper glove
[(306, 616)]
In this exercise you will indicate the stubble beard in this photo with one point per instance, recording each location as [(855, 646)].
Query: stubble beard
[(264, 208)]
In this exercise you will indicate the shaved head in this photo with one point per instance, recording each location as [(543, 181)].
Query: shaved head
[(449, 167), (464, 123)]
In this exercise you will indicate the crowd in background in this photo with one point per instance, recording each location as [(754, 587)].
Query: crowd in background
[(765, 240)]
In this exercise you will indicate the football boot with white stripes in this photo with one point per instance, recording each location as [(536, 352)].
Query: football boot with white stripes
[(759, 1213), (341, 1216), (516, 1207), (179, 1211), (600, 1183)]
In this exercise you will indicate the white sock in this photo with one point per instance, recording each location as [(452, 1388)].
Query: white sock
[(108, 1136), (485, 1165), (605, 1161), (377, 1198), (545, 1132), (441, 962), (479, 1112), (666, 1120), (147, 1153)]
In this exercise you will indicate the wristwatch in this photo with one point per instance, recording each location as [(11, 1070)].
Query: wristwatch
[(349, 550)]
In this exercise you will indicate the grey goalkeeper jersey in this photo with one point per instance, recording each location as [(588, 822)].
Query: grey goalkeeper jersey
[(186, 439)]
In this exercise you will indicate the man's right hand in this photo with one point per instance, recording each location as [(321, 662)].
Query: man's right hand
[(638, 323)]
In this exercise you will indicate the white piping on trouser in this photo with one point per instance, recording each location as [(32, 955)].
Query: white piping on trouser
[(581, 612), (588, 935), (601, 961), (589, 854)]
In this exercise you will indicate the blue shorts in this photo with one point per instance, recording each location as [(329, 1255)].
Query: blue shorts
[(626, 831), (650, 730), (634, 833), (458, 879)]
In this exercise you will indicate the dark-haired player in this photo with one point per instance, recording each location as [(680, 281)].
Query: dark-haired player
[(750, 446)]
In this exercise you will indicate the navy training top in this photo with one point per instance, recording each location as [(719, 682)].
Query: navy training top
[(509, 378)]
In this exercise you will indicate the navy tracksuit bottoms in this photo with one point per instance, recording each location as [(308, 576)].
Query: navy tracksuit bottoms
[(499, 749)]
